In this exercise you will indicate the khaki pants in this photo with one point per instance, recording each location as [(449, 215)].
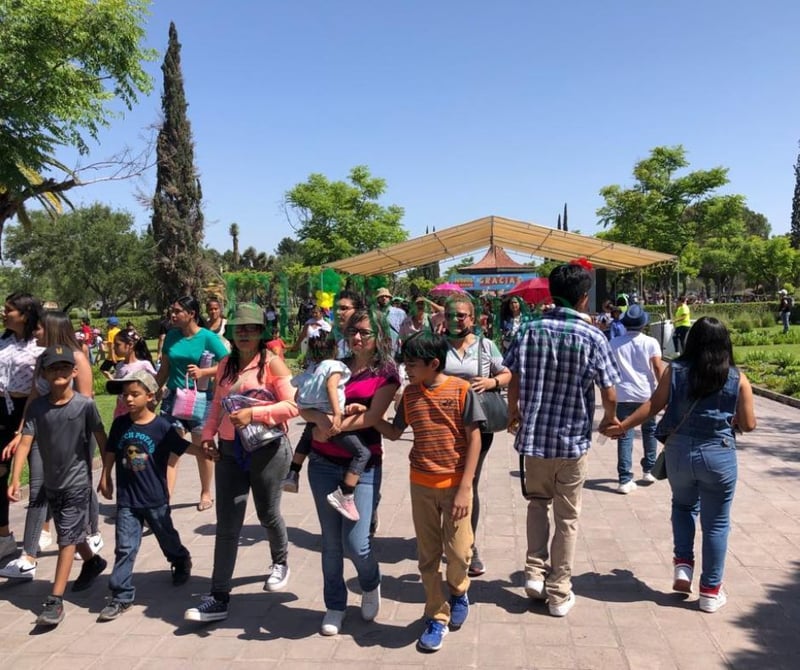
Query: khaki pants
[(436, 531), (556, 483)]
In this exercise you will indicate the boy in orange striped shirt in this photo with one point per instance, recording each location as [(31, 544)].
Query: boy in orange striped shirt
[(444, 414)]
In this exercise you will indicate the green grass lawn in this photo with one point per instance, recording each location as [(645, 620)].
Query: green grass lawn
[(740, 353)]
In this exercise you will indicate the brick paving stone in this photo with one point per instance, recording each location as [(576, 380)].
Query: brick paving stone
[(625, 616)]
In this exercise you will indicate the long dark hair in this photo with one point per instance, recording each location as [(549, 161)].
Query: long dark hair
[(30, 308), (140, 348), (708, 353), (58, 331), (233, 364), (191, 304), (383, 358)]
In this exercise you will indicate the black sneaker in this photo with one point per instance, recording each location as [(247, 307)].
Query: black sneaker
[(114, 609), (89, 572), (210, 609), (181, 571), (53, 612)]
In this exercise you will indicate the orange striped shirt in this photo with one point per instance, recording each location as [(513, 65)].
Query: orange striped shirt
[(436, 415)]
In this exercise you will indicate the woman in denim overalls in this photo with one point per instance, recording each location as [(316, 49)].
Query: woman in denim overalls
[(708, 400)]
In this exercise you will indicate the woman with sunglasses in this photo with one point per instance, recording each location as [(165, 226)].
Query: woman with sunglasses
[(462, 361), (373, 382), (183, 350), (250, 366)]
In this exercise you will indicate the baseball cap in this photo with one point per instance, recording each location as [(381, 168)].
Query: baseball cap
[(57, 354), (145, 378)]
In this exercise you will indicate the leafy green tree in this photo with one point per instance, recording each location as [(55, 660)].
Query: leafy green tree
[(756, 224), (178, 225), (664, 211), (64, 66), (720, 263), (795, 223), (463, 263), (336, 219), (91, 254), (770, 263)]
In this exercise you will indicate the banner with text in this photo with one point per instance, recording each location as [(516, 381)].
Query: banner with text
[(495, 282)]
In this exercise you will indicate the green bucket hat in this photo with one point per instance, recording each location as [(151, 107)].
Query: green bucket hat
[(246, 314)]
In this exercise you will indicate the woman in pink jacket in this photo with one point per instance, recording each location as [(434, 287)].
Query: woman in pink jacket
[(250, 366)]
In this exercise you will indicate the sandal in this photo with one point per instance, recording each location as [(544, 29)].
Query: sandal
[(203, 505)]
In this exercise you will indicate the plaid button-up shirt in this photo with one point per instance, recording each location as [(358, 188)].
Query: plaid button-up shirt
[(559, 358)]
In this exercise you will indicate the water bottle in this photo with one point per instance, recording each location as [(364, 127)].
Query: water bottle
[(206, 360)]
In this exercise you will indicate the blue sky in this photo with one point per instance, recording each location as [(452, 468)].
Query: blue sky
[(469, 108)]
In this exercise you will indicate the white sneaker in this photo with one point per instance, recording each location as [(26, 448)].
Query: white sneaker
[(19, 568), (95, 542), (45, 540), (371, 603), (534, 588), (711, 602), (648, 478), (627, 487), (278, 577), (8, 545), (682, 575), (332, 622), (564, 608)]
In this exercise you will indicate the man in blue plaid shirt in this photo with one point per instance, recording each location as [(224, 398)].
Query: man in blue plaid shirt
[(555, 363)]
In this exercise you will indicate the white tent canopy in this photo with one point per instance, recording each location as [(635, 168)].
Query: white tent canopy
[(519, 236)]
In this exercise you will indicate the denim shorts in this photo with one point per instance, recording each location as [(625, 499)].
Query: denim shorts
[(182, 425), (70, 509)]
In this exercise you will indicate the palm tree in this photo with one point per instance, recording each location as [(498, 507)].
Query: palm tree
[(233, 231)]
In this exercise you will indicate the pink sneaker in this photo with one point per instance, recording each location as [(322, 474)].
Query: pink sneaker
[(683, 572), (344, 504)]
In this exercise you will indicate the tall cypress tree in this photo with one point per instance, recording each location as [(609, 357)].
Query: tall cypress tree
[(795, 227), (177, 203)]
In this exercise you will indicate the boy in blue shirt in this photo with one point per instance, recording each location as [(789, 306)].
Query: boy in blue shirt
[(143, 446)]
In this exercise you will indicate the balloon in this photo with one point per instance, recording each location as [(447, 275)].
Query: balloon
[(324, 299)]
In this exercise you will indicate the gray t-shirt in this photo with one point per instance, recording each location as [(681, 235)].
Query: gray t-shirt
[(63, 433)]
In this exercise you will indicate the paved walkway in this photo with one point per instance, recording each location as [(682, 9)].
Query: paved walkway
[(625, 617)]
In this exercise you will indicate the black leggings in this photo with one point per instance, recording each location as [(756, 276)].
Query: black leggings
[(486, 442), (9, 424)]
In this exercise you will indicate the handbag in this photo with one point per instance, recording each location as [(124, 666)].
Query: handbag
[(190, 404), (256, 434), (495, 407), (659, 469)]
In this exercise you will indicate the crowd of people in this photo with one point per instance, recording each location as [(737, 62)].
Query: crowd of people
[(222, 392)]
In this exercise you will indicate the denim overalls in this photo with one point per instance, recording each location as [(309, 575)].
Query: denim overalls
[(701, 466)]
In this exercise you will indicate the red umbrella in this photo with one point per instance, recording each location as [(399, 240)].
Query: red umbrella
[(533, 291)]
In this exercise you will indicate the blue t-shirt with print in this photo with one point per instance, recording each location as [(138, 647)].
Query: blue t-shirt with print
[(142, 454)]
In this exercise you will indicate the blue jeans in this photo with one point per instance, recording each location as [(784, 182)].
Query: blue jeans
[(702, 476), (625, 443), (129, 539), (785, 321), (342, 537)]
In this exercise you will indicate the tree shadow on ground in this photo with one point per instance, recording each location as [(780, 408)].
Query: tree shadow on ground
[(773, 625)]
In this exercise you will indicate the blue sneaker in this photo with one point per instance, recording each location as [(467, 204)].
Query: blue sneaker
[(431, 639), (459, 610)]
